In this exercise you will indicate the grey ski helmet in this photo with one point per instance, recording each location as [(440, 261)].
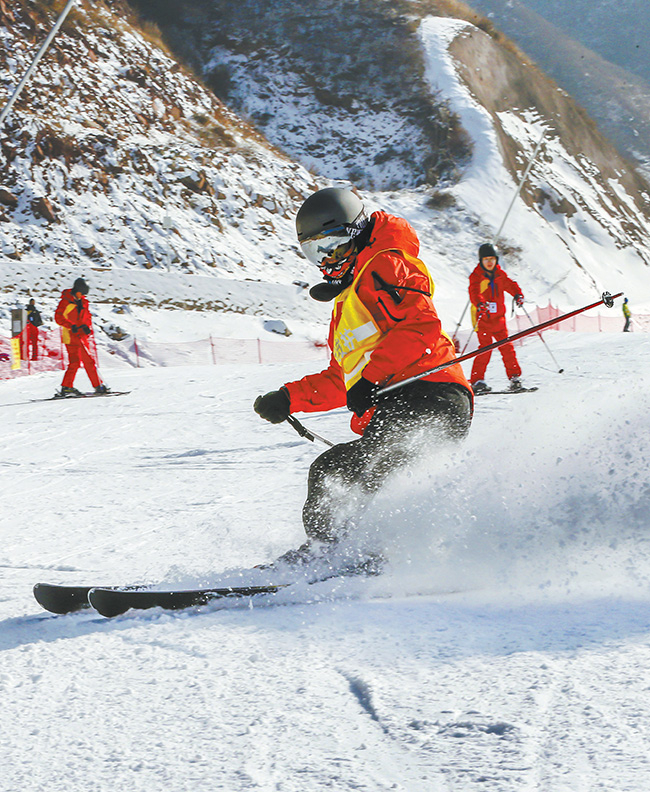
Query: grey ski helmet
[(326, 224)]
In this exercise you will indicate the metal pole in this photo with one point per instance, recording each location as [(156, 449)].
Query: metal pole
[(39, 55), (607, 299), (460, 321), (521, 182), (469, 338)]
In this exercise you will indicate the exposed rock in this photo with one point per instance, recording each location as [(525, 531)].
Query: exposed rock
[(200, 184), (8, 198), (43, 208)]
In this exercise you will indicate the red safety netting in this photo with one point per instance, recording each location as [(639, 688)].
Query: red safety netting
[(42, 351), (51, 354), (582, 323)]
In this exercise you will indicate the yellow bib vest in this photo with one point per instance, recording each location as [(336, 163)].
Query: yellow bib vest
[(356, 333)]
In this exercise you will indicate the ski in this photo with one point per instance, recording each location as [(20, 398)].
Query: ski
[(111, 602), (510, 392), (115, 600), (58, 397)]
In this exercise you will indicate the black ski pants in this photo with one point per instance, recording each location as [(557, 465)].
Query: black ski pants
[(406, 421)]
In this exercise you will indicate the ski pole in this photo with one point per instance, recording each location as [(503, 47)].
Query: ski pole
[(306, 433), (607, 299), (468, 340), (458, 324), (542, 339)]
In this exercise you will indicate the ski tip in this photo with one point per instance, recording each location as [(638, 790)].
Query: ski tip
[(61, 599), (106, 602)]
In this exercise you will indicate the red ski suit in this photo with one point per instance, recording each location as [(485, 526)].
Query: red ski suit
[(71, 313), (488, 290), (398, 333)]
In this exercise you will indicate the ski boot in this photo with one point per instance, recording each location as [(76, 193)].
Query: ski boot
[(66, 392), (102, 390), (516, 385), (480, 386), (296, 557)]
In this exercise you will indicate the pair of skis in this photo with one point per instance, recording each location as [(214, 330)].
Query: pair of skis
[(114, 601), (60, 397), (509, 391)]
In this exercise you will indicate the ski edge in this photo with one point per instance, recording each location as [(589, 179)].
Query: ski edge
[(111, 602)]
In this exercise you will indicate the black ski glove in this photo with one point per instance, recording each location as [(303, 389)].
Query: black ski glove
[(362, 396), (519, 300), (85, 329), (74, 329), (274, 406)]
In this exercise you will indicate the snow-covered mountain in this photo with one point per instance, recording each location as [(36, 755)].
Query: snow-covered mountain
[(119, 163)]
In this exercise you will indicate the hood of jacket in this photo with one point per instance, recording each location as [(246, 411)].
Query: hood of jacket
[(389, 233), (67, 294)]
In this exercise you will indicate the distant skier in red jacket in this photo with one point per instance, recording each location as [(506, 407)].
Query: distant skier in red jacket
[(488, 285), (384, 329), (73, 314)]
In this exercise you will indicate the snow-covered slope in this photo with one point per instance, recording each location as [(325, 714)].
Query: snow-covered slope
[(161, 196), (533, 675)]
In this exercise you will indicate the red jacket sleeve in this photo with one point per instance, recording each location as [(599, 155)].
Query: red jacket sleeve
[(322, 391), (474, 294), (509, 285)]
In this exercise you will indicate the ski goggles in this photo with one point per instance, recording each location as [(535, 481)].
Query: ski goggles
[(330, 247)]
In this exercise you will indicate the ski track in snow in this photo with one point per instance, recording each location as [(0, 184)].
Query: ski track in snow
[(529, 674)]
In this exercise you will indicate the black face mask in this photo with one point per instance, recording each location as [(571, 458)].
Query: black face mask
[(324, 292)]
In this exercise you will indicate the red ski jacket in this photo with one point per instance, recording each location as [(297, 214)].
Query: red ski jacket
[(490, 291), (402, 335), (73, 313)]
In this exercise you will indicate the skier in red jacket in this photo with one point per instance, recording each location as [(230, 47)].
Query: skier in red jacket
[(488, 284), (384, 329), (73, 314)]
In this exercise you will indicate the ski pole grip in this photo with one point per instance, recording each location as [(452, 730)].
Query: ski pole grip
[(302, 430)]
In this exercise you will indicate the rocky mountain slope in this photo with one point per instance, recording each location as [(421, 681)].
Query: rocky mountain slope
[(318, 96), (598, 52), (116, 160)]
